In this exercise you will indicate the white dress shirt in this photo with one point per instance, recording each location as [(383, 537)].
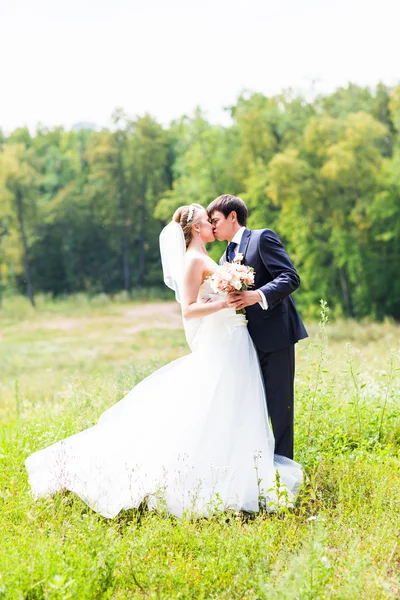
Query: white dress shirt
[(237, 238)]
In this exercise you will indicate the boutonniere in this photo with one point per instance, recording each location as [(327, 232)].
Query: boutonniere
[(238, 257)]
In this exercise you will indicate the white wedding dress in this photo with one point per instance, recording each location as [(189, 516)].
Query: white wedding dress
[(188, 438)]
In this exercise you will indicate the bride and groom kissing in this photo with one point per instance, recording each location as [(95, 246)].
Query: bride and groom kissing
[(192, 431)]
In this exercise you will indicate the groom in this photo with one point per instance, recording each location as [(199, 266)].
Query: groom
[(273, 321)]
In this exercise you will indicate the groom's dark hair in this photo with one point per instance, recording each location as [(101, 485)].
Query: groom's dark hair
[(226, 204)]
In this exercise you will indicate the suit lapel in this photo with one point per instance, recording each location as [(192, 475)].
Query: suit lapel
[(244, 242)]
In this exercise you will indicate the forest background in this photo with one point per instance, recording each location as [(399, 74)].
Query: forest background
[(81, 210)]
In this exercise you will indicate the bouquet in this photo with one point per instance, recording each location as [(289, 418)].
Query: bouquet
[(232, 277)]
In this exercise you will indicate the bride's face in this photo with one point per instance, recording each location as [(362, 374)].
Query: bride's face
[(204, 227)]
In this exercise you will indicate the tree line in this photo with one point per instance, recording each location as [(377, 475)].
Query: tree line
[(81, 210)]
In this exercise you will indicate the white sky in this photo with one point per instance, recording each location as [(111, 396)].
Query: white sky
[(66, 61)]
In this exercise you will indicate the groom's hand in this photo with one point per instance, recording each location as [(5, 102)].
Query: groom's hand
[(240, 300)]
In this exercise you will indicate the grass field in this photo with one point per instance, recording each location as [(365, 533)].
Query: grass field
[(64, 363)]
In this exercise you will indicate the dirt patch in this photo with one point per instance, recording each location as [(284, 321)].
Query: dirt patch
[(156, 309), (147, 312), (64, 324), (175, 324), (161, 315)]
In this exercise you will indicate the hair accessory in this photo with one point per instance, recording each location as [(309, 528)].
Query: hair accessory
[(190, 214)]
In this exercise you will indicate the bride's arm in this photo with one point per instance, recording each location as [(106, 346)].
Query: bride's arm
[(192, 280)]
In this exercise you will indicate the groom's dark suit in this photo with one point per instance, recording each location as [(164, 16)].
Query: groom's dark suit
[(274, 331)]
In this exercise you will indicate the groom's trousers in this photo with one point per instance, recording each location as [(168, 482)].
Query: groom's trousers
[(278, 374)]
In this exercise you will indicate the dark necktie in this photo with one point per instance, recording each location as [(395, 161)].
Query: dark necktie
[(231, 251)]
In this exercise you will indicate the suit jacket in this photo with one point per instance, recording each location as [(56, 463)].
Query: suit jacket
[(280, 326)]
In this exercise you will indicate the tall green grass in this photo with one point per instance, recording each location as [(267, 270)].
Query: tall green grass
[(340, 541)]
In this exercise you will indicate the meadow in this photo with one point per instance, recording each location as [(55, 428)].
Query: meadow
[(64, 362)]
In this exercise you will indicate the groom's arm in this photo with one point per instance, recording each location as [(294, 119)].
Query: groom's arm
[(276, 260), (285, 278)]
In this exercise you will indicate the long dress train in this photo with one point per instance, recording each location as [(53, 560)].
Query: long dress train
[(193, 436)]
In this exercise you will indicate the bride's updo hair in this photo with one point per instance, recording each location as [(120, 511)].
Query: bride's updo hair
[(186, 216)]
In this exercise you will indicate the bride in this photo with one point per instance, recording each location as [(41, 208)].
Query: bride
[(192, 437)]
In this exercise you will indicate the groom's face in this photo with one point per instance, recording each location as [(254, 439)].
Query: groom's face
[(222, 226)]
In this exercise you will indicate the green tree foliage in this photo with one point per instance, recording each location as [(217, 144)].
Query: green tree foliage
[(18, 208), (82, 210)]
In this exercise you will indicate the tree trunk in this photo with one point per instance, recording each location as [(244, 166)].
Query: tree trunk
[(345, 291), (142, 234), (27, 268), (3, 231), (141, 244), (125, 258), (70, 262), (1, 283), (124, 221)]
